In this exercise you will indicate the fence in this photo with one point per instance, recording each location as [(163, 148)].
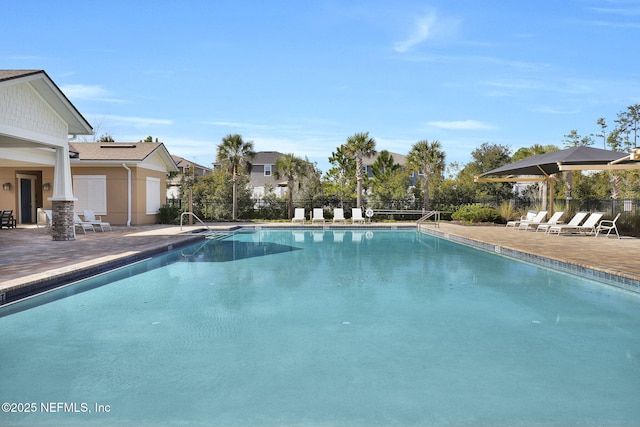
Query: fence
[(279, 208), (629, 206)]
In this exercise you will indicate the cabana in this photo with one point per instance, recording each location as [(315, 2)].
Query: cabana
[(543, 167)]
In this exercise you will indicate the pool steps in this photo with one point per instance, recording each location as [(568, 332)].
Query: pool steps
[(217, 235)]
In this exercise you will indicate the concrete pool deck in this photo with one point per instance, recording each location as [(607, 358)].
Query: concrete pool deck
[(30, 258)]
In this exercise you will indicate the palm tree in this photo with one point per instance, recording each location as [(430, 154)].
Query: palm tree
[(359, 146), (428, 158), (235, 155), (291, 167)]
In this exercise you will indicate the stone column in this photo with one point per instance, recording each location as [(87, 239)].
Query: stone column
[(62, 226), (62, 202)]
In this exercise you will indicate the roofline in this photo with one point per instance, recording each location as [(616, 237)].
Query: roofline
[(31, 76), (164, 153), (26, 73)]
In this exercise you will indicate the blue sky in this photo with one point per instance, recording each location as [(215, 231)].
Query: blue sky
[(302, 76)]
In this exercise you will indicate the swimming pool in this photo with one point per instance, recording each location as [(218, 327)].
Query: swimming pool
[(311, 327)]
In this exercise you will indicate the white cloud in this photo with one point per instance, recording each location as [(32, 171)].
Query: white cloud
[(460, 125), (420, 33), (96, 92), (427, 27), (622, 11), (136, 121), (551, 110)]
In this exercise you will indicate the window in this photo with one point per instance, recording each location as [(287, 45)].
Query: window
[(153, 195), (91, 192), (267, 170)]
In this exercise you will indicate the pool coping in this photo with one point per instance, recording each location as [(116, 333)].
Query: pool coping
[(618, 279)]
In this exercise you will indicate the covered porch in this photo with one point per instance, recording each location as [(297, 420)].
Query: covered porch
[(36, 122)]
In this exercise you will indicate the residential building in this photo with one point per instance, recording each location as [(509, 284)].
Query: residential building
[(262, 174), (368, 162), (186, 168), (36, 121), (125, 183), (40, 168)]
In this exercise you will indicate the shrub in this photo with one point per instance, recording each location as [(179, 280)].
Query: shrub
[(508, 211), (170, 214), (476, 213)]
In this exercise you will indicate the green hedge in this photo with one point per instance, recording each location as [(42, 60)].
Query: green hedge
[(170, 215), (476, 213)]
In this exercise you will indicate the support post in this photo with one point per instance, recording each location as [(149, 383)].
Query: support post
[(62, 202)]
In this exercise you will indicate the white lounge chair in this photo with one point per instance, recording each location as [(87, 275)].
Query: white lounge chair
[(590, 224), (338, 236), (84, 225), (298, 215), (356, 215), (545, 225), (538, 219), (44, 218), (528, 217), (608, 225), (338, 215), (574, 225), (318, 215), (574, 222), (91, 217)]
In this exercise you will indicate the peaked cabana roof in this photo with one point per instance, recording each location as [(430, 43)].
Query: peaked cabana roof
[(550, 163), (118, 152)]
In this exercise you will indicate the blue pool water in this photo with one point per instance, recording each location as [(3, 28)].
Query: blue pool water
[(335, 328)]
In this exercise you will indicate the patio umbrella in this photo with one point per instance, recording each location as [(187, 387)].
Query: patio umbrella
[(543, 166), (549, 163)]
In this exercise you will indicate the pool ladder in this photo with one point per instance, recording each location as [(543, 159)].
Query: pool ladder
[(426, 216)]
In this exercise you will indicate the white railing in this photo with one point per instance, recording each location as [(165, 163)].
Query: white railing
[(426, 216), (193, 215)]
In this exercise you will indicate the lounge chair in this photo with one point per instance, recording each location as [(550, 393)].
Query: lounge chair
[(356, 215), (90, 216), (44, 218), (356, 236), (552, 221), (318, 215), (538, 219), (528, 217), (299, 215), (84, 225), (338, 215), (608, 225), (588, 227), (7, 219), (590, 224), (574, 222)]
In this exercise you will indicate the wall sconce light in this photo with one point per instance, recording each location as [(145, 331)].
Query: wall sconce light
[(46, 186), (6, 186)]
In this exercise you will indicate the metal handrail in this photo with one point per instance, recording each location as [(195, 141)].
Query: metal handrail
[(193, 215), (436, 219), (398, 211)]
